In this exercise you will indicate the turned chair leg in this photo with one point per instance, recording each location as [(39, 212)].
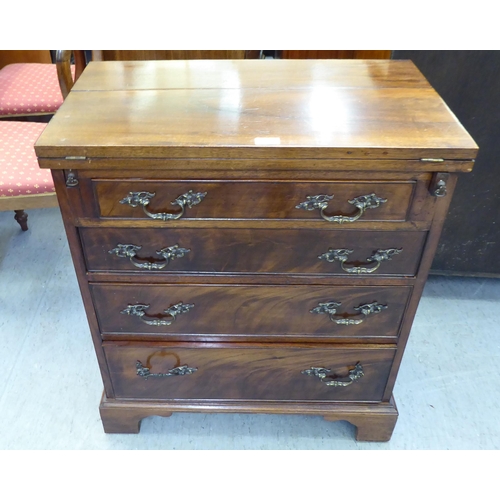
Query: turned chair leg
[(22, 217)]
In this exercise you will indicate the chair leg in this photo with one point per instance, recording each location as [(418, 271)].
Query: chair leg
[(22, 217)]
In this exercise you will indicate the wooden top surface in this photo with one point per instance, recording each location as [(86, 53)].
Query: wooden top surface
[(236, 74), (255, 109)]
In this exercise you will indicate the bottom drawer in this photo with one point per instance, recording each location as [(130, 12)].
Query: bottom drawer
[(167, 371)]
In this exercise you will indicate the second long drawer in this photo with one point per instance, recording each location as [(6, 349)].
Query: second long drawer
[(250, 311), (250, 251)]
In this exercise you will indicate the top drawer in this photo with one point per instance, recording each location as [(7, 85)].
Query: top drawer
[(336, 202)]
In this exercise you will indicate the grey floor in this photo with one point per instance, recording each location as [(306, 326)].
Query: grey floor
[(448, 389)]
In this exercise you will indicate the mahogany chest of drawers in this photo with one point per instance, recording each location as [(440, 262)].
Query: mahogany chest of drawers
[(253, 236)]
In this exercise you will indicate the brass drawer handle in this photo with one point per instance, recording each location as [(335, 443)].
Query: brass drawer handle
[(168, 254), (334, 380), (362, 203), (342, 254), (142, 198), (139, 310), (143, 371), (330, 308)]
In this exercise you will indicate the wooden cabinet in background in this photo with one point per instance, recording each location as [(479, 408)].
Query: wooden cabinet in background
[(334, 54), (151, 55), (24, 56)]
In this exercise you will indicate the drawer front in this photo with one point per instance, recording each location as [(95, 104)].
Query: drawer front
[(214, 371), (240, 251), (255, 200), (258, 311)]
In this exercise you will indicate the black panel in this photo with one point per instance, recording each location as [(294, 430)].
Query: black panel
[(469, 82)]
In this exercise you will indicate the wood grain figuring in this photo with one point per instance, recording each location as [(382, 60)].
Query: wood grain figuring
[(254, 200), (253, 250), (279, 74), (255, 311), (246, 372), (246, 122)]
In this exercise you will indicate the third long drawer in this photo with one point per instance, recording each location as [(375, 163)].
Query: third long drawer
[(239, 312)]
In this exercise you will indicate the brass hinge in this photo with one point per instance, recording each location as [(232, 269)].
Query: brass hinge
[(432, 159), (75, 158)]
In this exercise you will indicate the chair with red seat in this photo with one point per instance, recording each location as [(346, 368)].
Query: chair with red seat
[(29, 89), (23, 185)]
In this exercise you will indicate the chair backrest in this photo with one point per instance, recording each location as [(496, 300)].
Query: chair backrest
[(63, 64)]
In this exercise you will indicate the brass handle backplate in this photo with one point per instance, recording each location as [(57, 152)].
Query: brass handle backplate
[(168, 254), (143, 371), (362, 203), (330, 308), (440, 190), (342, 254), (71, 179), (172, 312), (324, 374), (438, 185), (142, 198)]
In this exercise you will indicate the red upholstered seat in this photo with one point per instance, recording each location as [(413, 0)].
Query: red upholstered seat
[(20, 174), (29, 88)]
